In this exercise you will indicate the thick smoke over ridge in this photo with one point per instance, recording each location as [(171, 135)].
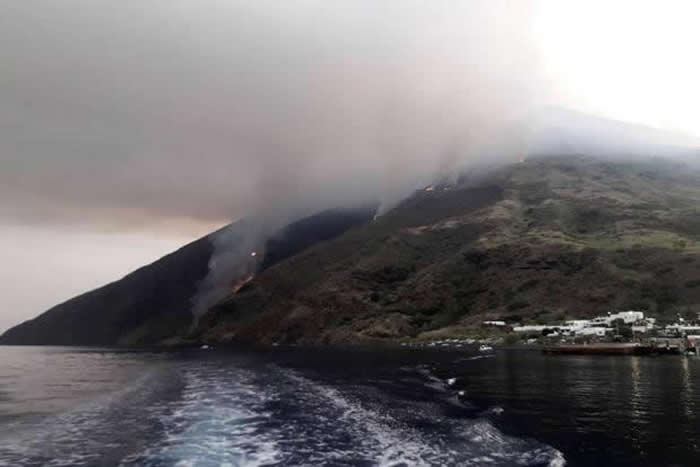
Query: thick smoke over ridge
[(171, 117), (131, 113), (213, 110), (120, 114), (343, 105)]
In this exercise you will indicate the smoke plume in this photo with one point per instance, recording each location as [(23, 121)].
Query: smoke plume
[(337, 104), (215, 110), (158, 115), (252, 109)]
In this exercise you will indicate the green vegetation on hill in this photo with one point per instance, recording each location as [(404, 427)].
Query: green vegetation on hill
[(541, 241), (548, 239)]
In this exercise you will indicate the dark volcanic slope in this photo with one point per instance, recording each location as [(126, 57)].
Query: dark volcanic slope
[(150, 304), (308, 231), (328, 289), (154, 303), (545, 240)]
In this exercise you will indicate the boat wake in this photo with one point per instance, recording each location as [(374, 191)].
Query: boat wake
[(216, 413), (280, 417)]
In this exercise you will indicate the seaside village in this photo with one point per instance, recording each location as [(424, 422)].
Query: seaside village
[(625, 332), (631, 327)]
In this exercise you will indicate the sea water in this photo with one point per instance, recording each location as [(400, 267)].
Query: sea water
[(360, 406)]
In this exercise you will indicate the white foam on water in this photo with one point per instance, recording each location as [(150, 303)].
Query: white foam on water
[(476, 357), (494, 411), (376, 437), (506, 450), (384, 440), (226, 415), (218, 421)]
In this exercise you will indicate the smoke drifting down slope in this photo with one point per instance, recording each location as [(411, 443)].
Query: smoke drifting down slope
[(214, 110), (252, 245)]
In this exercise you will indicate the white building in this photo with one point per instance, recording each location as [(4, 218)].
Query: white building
[(532, 328), (628, 317), (597, 326), (601, 321), (577, 324), (495, 323), (593, 331), (644, 326)]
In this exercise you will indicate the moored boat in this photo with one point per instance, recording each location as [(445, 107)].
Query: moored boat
[(600, 349)]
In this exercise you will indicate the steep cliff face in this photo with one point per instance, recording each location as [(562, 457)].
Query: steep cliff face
[(543, 240), (153, 305)]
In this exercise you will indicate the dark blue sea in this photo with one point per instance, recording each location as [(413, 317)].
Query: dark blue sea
[(345, 407)]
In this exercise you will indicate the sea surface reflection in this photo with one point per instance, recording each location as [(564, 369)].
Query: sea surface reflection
[(359, 406)]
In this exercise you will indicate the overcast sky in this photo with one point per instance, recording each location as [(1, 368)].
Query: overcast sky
[(128, 128)]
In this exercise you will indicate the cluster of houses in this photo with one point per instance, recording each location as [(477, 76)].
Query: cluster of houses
[(607, 325)]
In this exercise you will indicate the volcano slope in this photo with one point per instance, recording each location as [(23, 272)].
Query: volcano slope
[(153, 305), (544, 240)]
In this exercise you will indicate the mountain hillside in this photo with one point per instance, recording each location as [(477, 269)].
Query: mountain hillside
[(154, 304), (148, 305), (544, 240), (540, 241)]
